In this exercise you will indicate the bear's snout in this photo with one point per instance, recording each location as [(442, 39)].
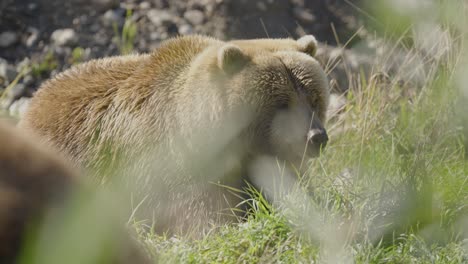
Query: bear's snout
[(317, 139)]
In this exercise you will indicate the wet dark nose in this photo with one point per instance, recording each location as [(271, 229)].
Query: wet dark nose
[(318, 138)]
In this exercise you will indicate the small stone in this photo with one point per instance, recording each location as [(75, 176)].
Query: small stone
[(303, 15), (8, 38), (159, 17), (161, 4), (54, 72), (19, 107), (95, 27), (195, 17), (62, 51), (28, 80), (7, 72), (33, 36), (101, 38), (185, 29), (153, 45), (155, 36), (64, 37), (144, 5), (164, 35), (16, 91), (84, 19), (114, 16), (261, 6), (142, 44), (32, 6), (23, 64)]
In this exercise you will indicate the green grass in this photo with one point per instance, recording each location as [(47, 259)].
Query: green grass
[(405, 201), (126, 37), (45, 66), (77, 55)]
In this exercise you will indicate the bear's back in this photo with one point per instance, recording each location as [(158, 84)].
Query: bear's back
[(109, 93)]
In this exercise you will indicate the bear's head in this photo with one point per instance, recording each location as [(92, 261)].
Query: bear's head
[(283, 84)]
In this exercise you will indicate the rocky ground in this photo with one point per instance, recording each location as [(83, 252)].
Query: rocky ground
[(39, 38)]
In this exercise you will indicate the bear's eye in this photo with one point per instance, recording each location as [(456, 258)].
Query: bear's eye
[(283, 105)]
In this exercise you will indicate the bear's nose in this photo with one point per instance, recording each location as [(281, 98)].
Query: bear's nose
[(317, 137)]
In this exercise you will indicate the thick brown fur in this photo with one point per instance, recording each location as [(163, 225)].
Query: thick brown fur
[(194, 111), (35, 183)]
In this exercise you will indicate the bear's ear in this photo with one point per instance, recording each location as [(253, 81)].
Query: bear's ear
[(231, 58), (308, 44)]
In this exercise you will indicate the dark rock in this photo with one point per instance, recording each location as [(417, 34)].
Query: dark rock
[(94, 27), (172, 29), (101, 5), (254, 19)]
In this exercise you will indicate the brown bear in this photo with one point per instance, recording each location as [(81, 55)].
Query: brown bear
[(35, 186), (187, 120)]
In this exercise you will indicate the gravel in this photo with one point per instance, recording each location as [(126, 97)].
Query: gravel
[(51, 35)]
